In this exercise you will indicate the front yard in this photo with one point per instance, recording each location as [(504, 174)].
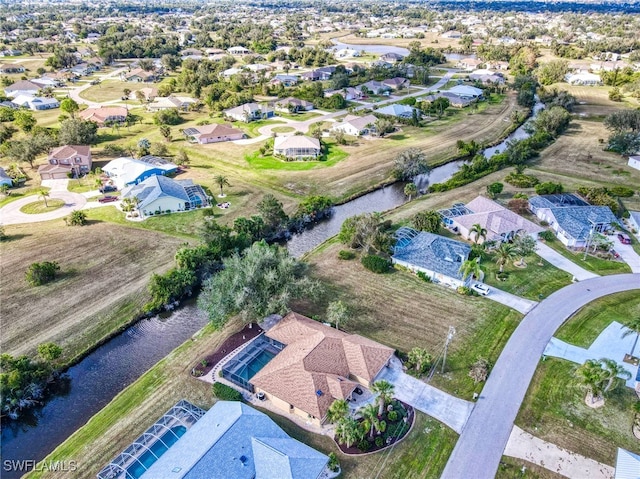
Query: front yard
[(591, 263)]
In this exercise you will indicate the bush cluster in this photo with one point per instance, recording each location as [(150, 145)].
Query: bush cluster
[(226, 393), (376, 263)]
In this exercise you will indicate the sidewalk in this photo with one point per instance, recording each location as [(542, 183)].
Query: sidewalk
[(560, 262), (544, 454)]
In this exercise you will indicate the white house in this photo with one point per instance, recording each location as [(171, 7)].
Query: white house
[(589, 79), (438, 257), (35, 102), (466, 91), (634, 162), (357, 125), (23, 87), (159, 195), (238, 51), (215, 133), (166, 103), (297, 147), (249, 112), (129, 171)]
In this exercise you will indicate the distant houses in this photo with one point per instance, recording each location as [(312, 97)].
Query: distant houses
[(398, 111), (293, 105), (36, 103), (438, 257), (215, 133), (158, 194), (166, 103), (23, 87), (583, 78), (130, 171), (297, 147), (65, 161), (9, 68), (139, 75), (238, 50)]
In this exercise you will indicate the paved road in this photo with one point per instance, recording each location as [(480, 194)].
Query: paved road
[(480, 447), (560, 262), (11, 214)]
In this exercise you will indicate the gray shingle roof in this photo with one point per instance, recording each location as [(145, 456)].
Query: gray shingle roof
[(431, 251), (233, 440), (578, 220), (154, 187)]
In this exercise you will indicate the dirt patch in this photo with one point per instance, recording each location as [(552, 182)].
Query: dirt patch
[(104, 271), (234, 341)]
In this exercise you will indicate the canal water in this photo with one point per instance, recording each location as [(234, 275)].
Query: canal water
[(100, 376)]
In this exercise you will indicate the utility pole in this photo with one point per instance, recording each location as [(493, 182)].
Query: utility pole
[(452, 332)]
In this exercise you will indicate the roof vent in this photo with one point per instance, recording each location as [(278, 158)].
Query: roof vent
[(319, 393), (243, 460)]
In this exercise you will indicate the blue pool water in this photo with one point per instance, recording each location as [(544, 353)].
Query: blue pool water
[(255, 365), (158, 448)]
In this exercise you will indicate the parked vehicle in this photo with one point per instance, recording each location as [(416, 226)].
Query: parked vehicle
[(107, 189), (624, 239), (614, 253), (480, 289), (107, 199)]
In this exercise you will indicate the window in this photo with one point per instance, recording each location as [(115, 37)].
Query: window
[(78, 159), (53, 162)]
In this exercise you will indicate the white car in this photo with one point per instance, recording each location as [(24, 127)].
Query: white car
[(480, 288)]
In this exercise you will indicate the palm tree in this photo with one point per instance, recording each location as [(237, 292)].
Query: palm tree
[(44, 194), (410, 189), (222, 181), (633, 327), (384, 390), (591, 375), (337, 411), (479, 232), (471, 267), (504, 253), (370, 422), (420, 357), (613, 373), (348, 431)]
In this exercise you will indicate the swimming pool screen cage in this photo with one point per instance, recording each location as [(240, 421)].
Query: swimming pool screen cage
[(236, 369), (182, 414)]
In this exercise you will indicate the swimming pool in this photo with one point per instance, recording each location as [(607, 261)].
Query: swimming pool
[(157, 449), (248, 362), (255, 364)]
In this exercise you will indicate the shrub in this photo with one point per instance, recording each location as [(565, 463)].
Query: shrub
[(549, 188), (520, 180), (112, 149), (424, 276), (346, 254), (167, 117), (392, 415), (333, 464), (379, 441), (465, 291), (42, 273), (375, 263), (520, 196), (226, 393), (622, 191), (364, 445), (76, 218)]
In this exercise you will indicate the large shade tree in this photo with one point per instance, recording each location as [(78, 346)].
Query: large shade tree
[(263, 281)]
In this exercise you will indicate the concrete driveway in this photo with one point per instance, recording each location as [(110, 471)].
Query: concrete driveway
[(11, 214), (560, 262), (482, 443), (521, 305), (628, 254), (444, 407)]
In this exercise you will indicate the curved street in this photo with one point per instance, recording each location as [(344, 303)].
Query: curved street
[(11, 214), (483, 440)]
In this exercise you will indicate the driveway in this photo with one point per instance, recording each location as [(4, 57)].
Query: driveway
[(444, 407), (628, 254), (11, 214), (480, 447), (560, 262), (521, 305)]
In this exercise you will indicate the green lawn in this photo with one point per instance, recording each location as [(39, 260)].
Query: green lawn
[(251, 128), (585, 326), (82, 185), (39, 207), (554, 410), (593, 264), (308, 115), (538, 280), (17, 193), (283, 129), (332, 156)]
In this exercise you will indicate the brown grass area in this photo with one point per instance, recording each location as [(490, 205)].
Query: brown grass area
[(594, 100), (102, 284), (430, 39), (579, 156)]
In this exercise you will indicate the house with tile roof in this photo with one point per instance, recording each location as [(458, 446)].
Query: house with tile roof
[(357, 125), (292, 104), (139, 75), (66, 160), (438, 257), (23, 87), (501, 224), (214, 133), (318, 365), (297, 147), (159, 194), (230, 440), (105, 115), (573, 220), (167, 103)]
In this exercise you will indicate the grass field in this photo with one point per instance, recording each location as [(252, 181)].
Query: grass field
[(554, 410), (104, 270), (38, 207), (332, 155), (108, 90), (538, 280), (402, 311), (512, 468), (585, 326), (591, 263), (593, 101)]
